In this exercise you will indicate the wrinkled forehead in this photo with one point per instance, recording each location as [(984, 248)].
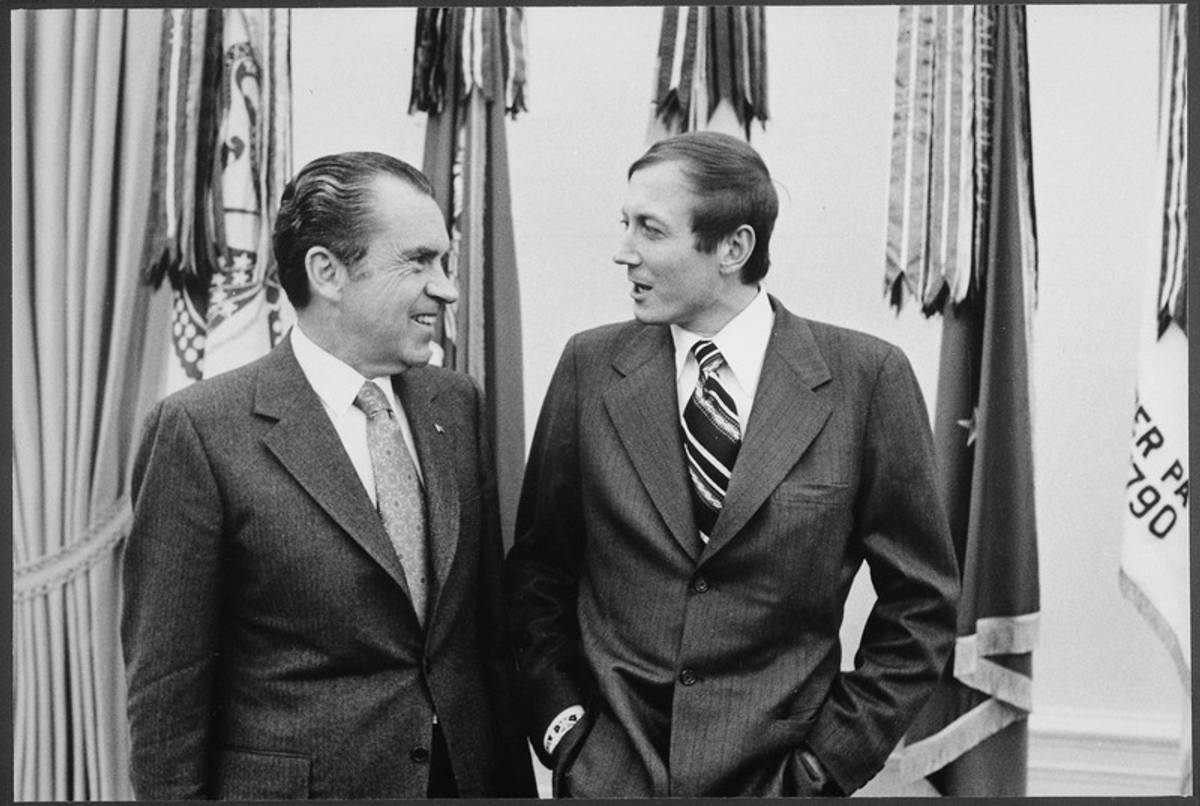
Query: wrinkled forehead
[(405, 217)]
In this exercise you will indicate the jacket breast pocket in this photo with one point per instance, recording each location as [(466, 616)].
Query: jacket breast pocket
[(813, 492), (262, 775)]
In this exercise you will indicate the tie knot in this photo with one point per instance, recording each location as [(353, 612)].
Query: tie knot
[(707, 356), (372, 400)]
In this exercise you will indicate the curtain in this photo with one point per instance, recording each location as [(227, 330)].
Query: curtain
[(962, 240), (468, 72), (83, 130)]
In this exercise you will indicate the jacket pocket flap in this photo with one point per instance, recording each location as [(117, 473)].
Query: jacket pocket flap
[(262, 775)]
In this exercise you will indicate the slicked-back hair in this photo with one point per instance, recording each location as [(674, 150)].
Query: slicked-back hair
[(732, 188), (331, 203)]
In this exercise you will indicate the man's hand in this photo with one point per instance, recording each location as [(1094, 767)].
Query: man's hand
[(810, 776), (565, 751)]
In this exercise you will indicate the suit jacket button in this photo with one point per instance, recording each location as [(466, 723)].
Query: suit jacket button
[(700, 585), (687, 677), (419, 754)]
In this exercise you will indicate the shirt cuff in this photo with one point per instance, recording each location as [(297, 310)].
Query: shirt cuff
[(566, 719)]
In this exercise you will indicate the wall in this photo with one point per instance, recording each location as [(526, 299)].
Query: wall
[(1098, 670)]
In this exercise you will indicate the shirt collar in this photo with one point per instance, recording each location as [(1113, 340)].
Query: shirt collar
[(335, 382), (742, 342)]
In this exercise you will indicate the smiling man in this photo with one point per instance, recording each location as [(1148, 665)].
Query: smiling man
[(313, 577), (703, 486)]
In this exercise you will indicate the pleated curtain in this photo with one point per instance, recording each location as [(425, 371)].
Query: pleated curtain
[(83, 90)]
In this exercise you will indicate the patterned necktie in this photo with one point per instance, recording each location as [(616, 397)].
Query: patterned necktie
[(711, 438), (397, 491)]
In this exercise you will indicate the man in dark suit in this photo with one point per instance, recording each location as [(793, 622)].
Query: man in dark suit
[(313, 577), (703, 486)]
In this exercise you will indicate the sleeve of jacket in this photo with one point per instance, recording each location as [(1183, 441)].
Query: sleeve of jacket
[(904, 537), (500, 671), (544, 563), (171, 609)]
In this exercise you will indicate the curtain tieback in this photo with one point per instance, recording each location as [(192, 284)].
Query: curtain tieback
[(36, 578)]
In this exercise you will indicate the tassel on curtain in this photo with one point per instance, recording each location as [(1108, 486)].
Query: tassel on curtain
[(962, 242), (711, 70), (469, 71), (222, 156)]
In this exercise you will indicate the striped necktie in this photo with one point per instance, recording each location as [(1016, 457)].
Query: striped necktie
[(711, 438), (397, 491)]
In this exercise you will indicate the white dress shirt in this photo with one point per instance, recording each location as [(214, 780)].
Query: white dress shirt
[(336, 384), (743, 344)]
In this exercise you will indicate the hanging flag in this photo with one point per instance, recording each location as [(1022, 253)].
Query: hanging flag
[(971, 740), (1154, 556), (469, 70), (222, 155), (711, 70)]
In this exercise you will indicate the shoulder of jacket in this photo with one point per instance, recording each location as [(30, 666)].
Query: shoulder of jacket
[(606, 338), (845, 340)]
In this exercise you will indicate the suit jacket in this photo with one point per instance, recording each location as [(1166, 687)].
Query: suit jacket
[(271, 647), (704, 669)]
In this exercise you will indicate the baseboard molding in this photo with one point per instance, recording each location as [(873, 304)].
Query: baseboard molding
[(1083, 753)]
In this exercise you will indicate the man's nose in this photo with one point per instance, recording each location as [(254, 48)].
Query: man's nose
[(626, 255), (442, 288)]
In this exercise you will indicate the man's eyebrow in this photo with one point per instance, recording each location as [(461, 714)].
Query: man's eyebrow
[(648, 218), (420, 254)]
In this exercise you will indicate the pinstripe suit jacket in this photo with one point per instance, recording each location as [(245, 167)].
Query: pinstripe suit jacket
[(272, 649), (704, 669)]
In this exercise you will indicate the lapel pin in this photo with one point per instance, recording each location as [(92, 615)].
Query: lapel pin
[(438, 428)]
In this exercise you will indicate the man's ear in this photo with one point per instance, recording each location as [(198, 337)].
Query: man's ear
[(326, 274), (736, 249)]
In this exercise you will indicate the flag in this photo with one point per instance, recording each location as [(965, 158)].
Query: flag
[(1154, 555), (469, 70), (222, 155), (710, 71), (971, 740)]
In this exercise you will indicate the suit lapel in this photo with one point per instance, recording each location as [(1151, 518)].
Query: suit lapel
[(416, 393), (789, 411), (644, 410), (306, 444)]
